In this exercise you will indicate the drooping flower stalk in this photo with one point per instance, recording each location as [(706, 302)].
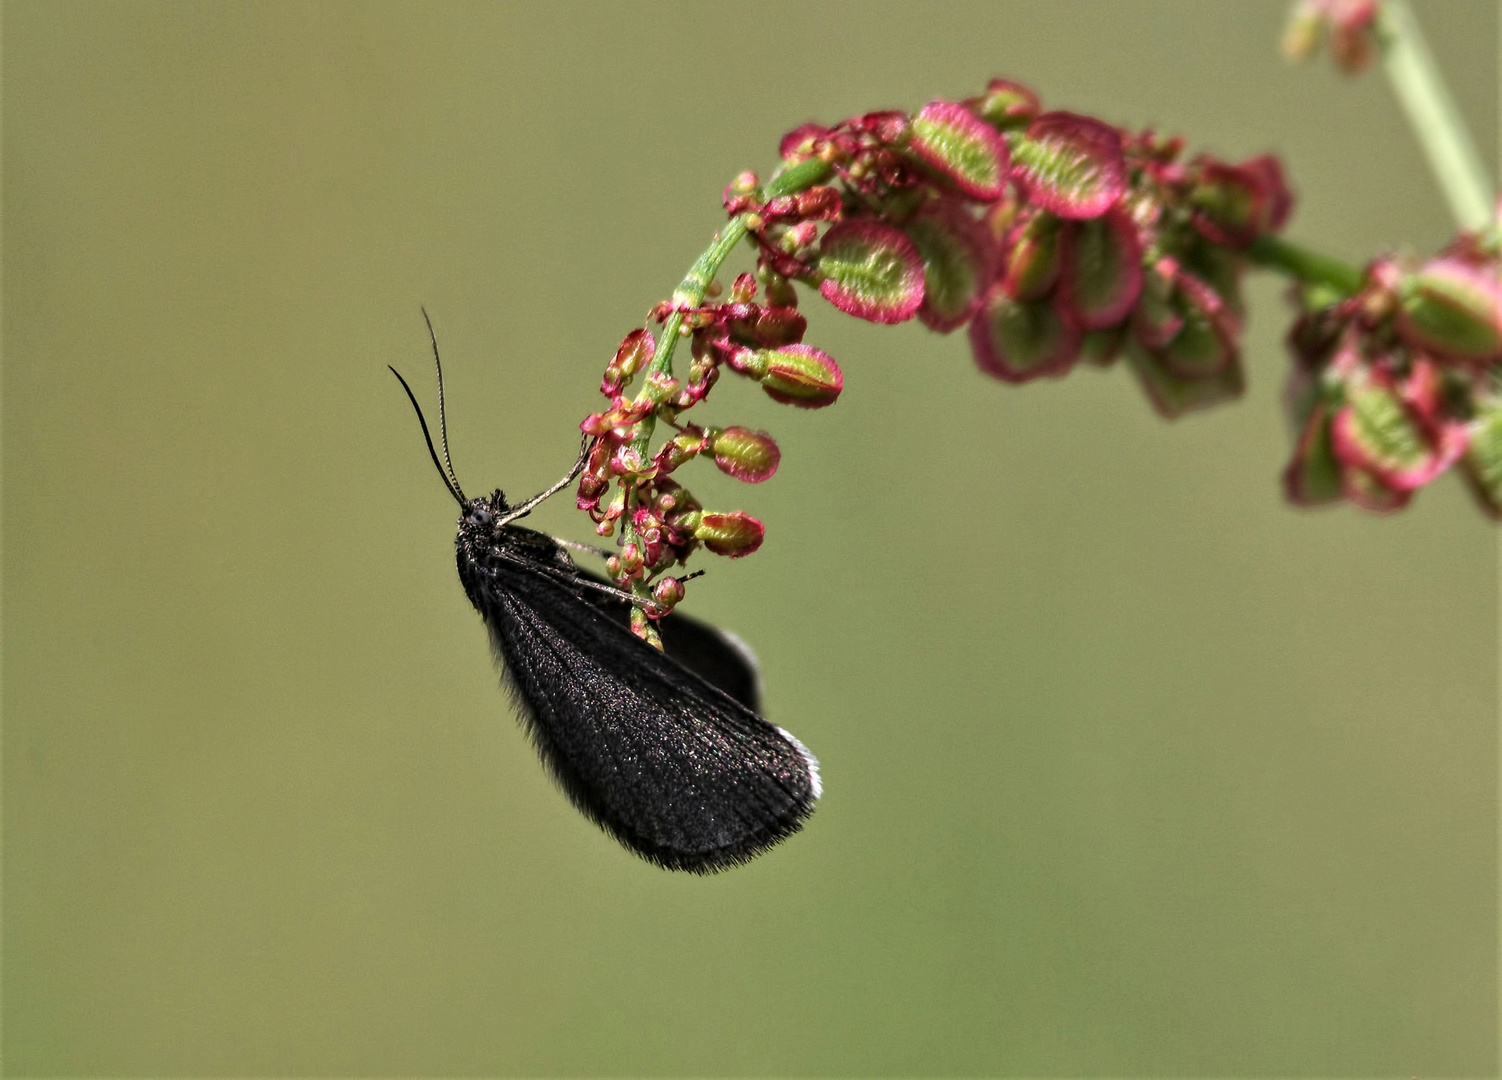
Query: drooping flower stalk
[(1053, 238)]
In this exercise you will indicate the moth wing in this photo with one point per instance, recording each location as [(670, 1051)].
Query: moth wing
[(714, 654), (675, 768)]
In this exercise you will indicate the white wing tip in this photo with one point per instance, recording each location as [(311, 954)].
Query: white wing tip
[(813, 762)]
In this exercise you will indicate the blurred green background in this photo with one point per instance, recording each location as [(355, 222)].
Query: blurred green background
[(1131, 768)]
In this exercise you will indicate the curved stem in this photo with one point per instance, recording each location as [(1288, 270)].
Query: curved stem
[(1432, 114), (1304, 265), (689, 294)]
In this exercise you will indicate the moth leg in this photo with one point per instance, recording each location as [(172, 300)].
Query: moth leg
[(566, 578), (536, 500), (588, 549)]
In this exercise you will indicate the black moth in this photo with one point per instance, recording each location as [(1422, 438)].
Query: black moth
[(663, 750)]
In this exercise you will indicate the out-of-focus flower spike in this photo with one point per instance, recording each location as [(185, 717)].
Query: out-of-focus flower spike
[(957, 262), (1353, 33), (1206, 341), (1313, 477), (1102, 348), (1454, 309), (1100, 270), (1234, 204), (1220, 268), (1030, 263), (1000, 218), (1482, 464), (1375, 432), (961, 146), (1021, 340), (1304, 31), (1278, 203), (1070, 165), (1173, 395), (749, 456), (1005, 105), (1367, 491), (872, 271), (1156, 321)]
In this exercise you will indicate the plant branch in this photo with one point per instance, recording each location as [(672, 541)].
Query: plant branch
[(1432, 114), (690, 293), (1304, 265)]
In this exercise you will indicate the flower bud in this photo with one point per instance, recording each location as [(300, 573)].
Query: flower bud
[(660, 386), (734, 534), (642, 627), (800, 375), (784, 206), (800, 237), (635, 352), (668, 592), (743, 291), (743, 184), (1234, 204), (780, 291), (751, 456), (1005, 105), (890, 126), (681, 448), (802, 141), (819, 204), (1353, 34), (1452, 309), (1304, 30)]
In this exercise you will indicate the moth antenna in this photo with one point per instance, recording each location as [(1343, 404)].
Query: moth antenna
[(536, 500), (452, 485), (443, 422)]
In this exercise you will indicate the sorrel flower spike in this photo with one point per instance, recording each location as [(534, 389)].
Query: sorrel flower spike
[(1399, 382), (1053, 237)]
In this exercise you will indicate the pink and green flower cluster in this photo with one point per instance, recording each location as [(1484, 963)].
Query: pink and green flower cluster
[(1054, 237), (1395, 385), (1350, 26)]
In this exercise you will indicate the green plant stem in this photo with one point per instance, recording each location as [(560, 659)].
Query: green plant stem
[(690, 294), (1432, 114), (1304, 265)]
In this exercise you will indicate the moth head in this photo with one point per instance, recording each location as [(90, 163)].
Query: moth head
[(482, 513)]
